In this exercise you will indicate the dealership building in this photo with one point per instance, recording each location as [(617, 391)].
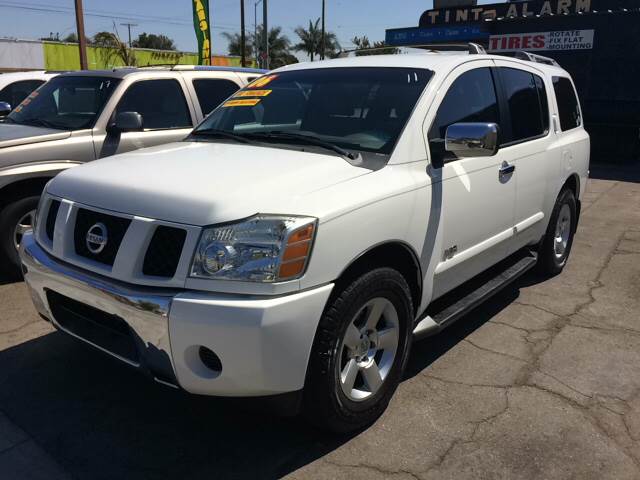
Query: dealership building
[(597, 41)]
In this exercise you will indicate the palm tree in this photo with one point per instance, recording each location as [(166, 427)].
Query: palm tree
[(311, 41), (279, 48), (379, 48), (235, 47), (111, 48), (331, 45)]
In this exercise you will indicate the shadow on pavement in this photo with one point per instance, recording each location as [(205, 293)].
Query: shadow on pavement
[(7, 278), (99, 419), (629, 172)]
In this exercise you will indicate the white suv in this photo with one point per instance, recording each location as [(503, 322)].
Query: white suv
[(314, 224)]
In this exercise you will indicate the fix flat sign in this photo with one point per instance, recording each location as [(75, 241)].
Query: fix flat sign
[(558, 40)]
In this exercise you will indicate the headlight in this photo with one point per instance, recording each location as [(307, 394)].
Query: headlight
[(264, 248), (40, 208)]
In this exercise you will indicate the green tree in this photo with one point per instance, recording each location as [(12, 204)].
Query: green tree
[(311, 41), (378, 48), (235, 47), (279, 48), (153, 41), (51, 37), (112, 48), (71, 38)]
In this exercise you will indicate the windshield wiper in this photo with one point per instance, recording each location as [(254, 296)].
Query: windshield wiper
[(214, 132), (308, 139)]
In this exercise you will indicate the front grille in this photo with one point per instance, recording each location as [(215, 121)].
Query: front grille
[(100, 328), (115, 227), (54, 206), (163, 254)]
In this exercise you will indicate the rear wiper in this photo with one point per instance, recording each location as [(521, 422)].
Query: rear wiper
[(214, 132), (308, 139)]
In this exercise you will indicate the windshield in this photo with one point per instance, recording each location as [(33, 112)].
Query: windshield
[(355, 109), (66, 103)]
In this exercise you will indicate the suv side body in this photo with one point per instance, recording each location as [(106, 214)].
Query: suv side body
[(383, 246)]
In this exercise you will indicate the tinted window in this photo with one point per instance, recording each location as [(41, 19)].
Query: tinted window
[(16, 92), (160, 102), (527, 118), (212, 92), (361, 109), (471, 98), (65, 102), (567, 103)]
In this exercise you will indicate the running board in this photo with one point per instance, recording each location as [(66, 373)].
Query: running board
[(452, 306)]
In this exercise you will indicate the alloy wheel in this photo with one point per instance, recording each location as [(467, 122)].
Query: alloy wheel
[(23, 226), (368, 349), (563, 232)]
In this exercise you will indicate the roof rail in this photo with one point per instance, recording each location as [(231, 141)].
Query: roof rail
[(532, 57), (471, 48)]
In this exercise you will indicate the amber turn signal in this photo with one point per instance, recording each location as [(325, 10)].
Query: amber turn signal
[(294, 258)]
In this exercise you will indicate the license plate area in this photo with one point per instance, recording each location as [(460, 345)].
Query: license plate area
[(102, 329)]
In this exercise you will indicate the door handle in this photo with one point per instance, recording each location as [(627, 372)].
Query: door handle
[(506, 169)]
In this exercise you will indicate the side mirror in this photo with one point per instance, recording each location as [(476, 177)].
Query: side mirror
[(127, 122), (472, 139), (5, 109)]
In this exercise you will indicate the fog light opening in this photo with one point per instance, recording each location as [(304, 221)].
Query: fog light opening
[(210, 359)]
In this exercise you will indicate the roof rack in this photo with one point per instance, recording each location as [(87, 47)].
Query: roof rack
[(471, 48), (532, 57)]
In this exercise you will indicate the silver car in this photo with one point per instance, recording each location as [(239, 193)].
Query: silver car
[(82, 116)]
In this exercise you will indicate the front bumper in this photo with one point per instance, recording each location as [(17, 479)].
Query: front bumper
[(263, 343)]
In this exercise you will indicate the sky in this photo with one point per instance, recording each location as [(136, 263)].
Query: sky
[(32, 19)]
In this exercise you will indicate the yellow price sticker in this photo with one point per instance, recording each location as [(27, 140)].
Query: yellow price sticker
[(262, 81), (253, 93), (249, 102)]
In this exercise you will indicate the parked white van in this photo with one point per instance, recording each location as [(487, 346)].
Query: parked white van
[(314, 224)]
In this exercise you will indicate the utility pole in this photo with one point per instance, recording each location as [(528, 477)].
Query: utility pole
[(82, 40), (243, 39), (129, 25), (322, 42), (265, 34), (255, 31)]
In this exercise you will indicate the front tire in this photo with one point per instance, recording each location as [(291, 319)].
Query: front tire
[(360, 352), (556, 246), (15, 220)]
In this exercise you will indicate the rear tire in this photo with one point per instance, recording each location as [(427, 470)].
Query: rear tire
[(15, 219), (360, 352), (556, 246)]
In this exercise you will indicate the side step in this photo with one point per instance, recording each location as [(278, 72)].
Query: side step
[(455, 304)]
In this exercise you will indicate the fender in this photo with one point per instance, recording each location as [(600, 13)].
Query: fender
[(34, 170)]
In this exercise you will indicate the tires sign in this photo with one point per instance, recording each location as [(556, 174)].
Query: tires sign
[(558, 40)]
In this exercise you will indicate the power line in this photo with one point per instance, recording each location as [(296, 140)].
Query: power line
[(136, 17)]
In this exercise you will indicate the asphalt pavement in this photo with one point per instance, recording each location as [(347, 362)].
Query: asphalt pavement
[(540, 382)]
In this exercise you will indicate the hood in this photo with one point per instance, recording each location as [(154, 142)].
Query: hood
[(12, 134), (202, 183)]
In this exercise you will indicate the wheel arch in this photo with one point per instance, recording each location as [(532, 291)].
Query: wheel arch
[(395, 254), (573, 183), (22, 188)]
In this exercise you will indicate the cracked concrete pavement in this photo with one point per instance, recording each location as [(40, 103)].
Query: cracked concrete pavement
[(540, 382)]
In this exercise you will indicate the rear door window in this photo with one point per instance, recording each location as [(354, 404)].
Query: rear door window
[(528, 105), (160, 102), (568, 107), (211, 92)]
